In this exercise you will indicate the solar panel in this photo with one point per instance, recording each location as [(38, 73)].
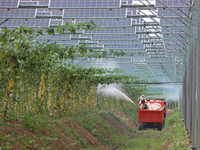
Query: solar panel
[(112, 31), (173, 29), (9, 3), (85, 4), (94, 13), (64, 42), (55, 22), (27, 22), (3, 21), (171, 3), (116, 32), (49, 13), (34, 3), (17, 13), (121, 42), (114, 37), (170, 13), (55, 37), (109, 22), (173, 20), (172, 36), (138, 46)]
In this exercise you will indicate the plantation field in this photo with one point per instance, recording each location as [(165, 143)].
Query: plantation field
[(49, 102), (103, 130)]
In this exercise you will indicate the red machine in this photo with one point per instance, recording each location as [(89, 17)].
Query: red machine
[(152, 118)]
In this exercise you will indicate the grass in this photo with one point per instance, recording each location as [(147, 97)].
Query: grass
[(171, 137), (172, 133), (131, 111)]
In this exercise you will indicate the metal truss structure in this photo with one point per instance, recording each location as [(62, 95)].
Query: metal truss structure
[(154, 31), (162, 36)]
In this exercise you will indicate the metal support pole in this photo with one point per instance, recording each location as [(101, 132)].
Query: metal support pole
[(198, 81), (193, 100), (183, 105), (180, 99), (190, 95), (188, 100)]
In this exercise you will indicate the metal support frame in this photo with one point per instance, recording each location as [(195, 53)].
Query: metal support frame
[(191, 84), (198, 82)]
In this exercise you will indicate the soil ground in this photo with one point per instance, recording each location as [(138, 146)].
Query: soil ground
[(71, 135)]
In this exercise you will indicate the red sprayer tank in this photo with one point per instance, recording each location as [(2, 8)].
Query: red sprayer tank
[(154, 117)]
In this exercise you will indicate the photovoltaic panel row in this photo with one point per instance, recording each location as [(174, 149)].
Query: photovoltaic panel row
[(34, 3), (56, 37), (109, 22), (85, 4), (172, 36), (26, 22), (2, 21), (173, 43), (169, 13), (55, 22), (130, 30), (173, 29), (120, 42), (48, 13), (17, 13), (94, 13), (129, 51), (124, 46), (114, 37), (65, 42), (169, 3), (173, 20), (9, 3)]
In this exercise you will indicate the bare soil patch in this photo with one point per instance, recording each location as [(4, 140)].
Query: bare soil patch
[(127, 120), (60, 135), (169, 111), (84, 133)]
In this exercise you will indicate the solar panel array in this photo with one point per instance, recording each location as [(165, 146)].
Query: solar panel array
[(152, 33)]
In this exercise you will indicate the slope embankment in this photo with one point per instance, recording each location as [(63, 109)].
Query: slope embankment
[(103, 131)]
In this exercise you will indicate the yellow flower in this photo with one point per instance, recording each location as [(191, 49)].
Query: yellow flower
[(10, 88)]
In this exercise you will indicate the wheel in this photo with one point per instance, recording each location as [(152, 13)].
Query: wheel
[(164, 122), (160, 126), (144, 126), (140, 126), (165, 114)]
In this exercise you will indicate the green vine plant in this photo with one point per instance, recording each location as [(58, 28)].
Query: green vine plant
[(32, 71)]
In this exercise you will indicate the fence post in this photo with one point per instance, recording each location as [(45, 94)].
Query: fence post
[(198, 80)]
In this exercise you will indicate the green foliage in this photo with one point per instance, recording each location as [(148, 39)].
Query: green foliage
[(183, 146), (131, 112), (78, 139), (135, 91), (27, 142), (71, 132), (47, 140), (29, 122), (174, 117), (90, 122), (40, 78), (171, 104), (7, 146)]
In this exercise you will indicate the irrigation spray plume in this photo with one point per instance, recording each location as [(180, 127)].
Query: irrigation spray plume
[(110, 90), (172, 92)]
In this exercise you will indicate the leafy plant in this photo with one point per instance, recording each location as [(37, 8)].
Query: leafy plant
[(40, 79)]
